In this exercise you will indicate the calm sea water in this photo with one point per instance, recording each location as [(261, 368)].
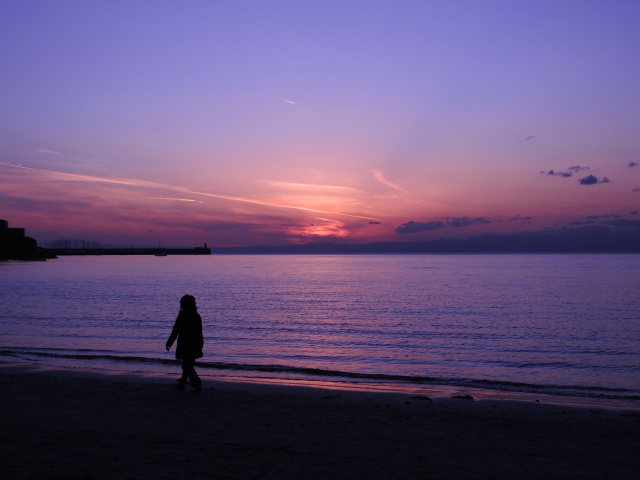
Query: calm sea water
[(563, 325)]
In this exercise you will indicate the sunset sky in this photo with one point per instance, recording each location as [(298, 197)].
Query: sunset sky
[(274, 122)]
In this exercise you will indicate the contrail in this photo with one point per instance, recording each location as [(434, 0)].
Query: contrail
[(146, 184)]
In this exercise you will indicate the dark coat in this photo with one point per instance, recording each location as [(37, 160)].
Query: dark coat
[(188, 331)]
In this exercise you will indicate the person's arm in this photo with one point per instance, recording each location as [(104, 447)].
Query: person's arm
[(174, 333)]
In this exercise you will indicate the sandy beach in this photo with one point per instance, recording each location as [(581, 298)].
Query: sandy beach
[(78, 425)]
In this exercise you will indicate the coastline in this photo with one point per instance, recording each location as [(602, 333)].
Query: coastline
[(79, 424), (434, 391)]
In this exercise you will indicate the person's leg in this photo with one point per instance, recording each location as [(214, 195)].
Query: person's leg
[(187, 366), (188, 371), (194, 379)]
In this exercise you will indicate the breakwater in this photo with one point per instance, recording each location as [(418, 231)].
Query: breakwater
[(130, 251)]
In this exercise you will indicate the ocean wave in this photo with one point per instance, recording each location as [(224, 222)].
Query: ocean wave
[(338, 375)]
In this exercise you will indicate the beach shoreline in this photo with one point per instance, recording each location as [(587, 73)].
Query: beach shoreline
[(258, 382), (79, 424)]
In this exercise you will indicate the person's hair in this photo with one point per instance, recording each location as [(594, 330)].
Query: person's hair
[(188, 301)]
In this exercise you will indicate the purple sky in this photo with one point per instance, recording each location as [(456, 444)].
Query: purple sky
[(273, 122)]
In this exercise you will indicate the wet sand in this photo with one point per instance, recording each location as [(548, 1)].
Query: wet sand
[(77, 425)]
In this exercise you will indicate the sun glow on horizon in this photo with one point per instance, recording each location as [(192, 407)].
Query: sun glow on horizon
[(369, 124)]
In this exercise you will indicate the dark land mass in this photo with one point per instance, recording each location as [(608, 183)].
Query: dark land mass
[(130, 251), (15, 245), (25, 249), (593, 239)]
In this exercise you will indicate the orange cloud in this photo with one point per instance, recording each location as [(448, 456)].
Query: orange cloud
[(332, 229), (154, 185), (380, 177)]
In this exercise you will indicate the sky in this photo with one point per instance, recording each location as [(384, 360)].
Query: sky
[(241, 123)]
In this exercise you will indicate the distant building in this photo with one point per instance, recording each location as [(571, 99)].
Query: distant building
[(6, 232), (15, 245)]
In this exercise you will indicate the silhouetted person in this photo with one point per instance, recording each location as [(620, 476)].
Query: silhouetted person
[(188, 331)]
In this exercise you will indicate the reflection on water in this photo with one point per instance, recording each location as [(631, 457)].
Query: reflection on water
[(568, 320)]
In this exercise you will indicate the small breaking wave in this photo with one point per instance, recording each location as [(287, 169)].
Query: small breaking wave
[(104, 359)]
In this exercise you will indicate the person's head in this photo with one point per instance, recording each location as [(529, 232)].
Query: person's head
[(188, 302)]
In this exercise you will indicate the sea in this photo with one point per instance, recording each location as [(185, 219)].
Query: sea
[(561, 328)]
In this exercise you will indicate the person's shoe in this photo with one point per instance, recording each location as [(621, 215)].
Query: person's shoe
[(180, 385), (197, 389)]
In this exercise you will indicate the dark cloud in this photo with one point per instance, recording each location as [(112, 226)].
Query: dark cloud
[(560, 174), (623, 223), (593, 180), (577, 168), (635, 190), (466, 221), (610, 215), (415, 227), (610, 220), (595, 238), (633, 164), (565, 174), (517, 218), (589, 180)]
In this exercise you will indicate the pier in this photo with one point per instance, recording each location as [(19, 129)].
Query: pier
[(160, 252)]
